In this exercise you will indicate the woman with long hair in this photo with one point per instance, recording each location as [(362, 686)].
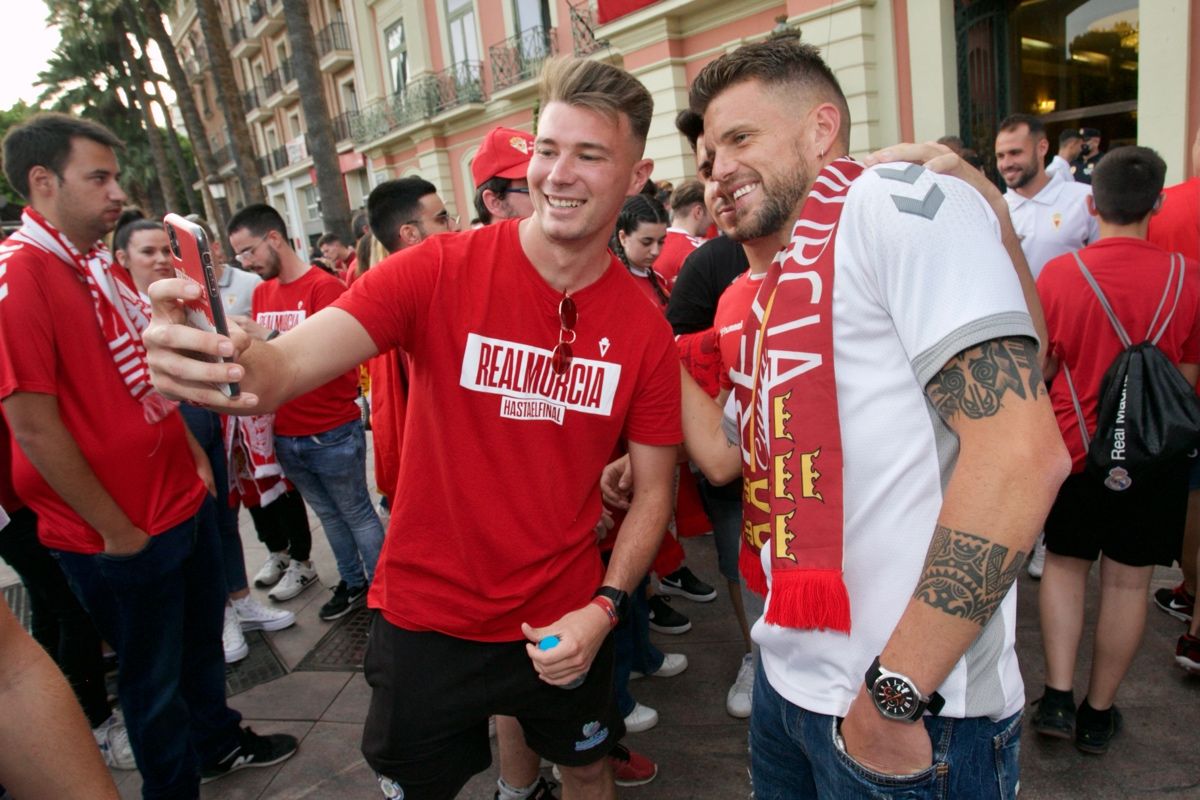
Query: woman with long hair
[(637, 241)]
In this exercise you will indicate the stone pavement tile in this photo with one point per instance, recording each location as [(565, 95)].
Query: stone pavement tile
[(351, 703), (695, 762), (300, 695), (294, 643), (697, 695), (329, 766)]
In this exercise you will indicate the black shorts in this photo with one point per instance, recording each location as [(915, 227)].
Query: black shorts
[(1138, 527), (427, 725)]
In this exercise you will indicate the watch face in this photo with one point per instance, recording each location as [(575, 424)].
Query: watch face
[(895, 698)]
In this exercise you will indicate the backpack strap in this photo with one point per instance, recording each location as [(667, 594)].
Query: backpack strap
[(1112, 317), (1175, 302), (1083, 431)]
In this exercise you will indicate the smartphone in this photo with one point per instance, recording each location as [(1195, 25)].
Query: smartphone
[(192, 258)]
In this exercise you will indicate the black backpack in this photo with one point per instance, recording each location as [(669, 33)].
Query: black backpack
[(1147, 415)]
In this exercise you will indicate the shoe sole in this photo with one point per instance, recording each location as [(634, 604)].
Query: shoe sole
[(640, 728), (267, 584), (675, 631), (1053, 733), (641, 782), (359, 603), (1177, 614), (249, 765), (679, 591), (1188, 665), (737, 713), (276, 625), (280, 598), (237, 655)]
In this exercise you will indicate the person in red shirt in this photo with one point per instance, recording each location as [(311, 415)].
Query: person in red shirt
[(638, 239), (340, 256), (319, 436), (690, 221), (532, 356), (501, 191), (1129, 530), (121, 491)]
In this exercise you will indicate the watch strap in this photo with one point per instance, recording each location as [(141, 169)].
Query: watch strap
[(618, 598)]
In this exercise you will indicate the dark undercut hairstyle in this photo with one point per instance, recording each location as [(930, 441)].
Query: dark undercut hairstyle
[(393, 203), (1069, 135), (330, 238), (259, 219), (1012, 122), (125, 232), (1127, 183), (691, 125), (44, 140), (498, 187), (686, 195), (775, 62)]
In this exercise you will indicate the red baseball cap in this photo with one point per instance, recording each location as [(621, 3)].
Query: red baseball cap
[(505, 153)]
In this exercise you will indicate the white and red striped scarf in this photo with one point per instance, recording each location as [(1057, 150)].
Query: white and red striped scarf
[(120, 311), (255, 476), (791, 434)]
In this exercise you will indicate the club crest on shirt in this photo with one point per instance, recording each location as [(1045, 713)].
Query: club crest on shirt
[(529, 387), (1056, 220)]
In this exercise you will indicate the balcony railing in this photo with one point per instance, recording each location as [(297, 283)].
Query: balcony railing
[(279, 159), (422, 98), (237, 32), (343, 125), (264, 165), (583, 29), (277, 78), (520, 57), (334, 36), (251, 99)]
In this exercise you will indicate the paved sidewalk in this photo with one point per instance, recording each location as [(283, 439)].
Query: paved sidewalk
[(701, 751)]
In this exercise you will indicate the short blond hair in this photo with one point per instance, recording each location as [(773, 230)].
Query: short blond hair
[(599, 87)]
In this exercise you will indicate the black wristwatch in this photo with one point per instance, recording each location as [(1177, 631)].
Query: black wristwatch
[(897, 698), (619, 599)]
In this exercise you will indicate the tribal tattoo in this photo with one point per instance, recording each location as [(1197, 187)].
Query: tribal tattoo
[(975, 382), (966, 575)]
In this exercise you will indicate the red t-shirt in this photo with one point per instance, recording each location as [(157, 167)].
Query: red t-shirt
[(50, 343), (9, 500), (281, 307), (1176, 227), (646, 283), (676, 248), (1133, 274), (348, 269), (498, 493), (732, 310)]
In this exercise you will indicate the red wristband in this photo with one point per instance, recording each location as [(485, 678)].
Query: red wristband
[(609, 609)]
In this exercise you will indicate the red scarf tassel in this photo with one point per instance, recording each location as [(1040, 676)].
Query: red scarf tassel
[(812, 599)]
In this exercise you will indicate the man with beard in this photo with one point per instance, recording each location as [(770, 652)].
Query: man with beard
[(1050, 216), (908, 483), (319, 437), (122, 493)]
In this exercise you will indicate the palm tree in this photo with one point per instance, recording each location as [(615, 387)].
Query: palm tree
[(152, 14), (209, 17), (322, 144)]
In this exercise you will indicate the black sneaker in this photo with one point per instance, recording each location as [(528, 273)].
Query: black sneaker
[(665, 619), (1055, 717), (682, 583), (252, 751), (543, 791), (345, 599), (1095, 739), (1177, 602)]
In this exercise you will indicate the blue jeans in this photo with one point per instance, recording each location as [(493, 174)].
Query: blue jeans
[(724, 510), (162, 610), (330, 470), (794, 754), (205, 425), (634, 651)]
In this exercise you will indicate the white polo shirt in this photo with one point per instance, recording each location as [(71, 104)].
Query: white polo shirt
[(1053, 222), (1060, 168)]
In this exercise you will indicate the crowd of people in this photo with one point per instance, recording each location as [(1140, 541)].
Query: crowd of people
[(789, 351)]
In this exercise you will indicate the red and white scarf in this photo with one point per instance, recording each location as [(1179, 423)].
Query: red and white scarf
[(120, 311), (255, 476), (791, 436)]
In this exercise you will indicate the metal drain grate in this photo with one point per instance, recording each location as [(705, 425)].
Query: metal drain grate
[(18, 600), (343, 647), (261, 666)]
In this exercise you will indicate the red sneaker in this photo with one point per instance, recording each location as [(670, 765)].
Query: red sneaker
[(630, 768), (1187, 653)]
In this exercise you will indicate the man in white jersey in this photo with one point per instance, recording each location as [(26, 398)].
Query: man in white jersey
[(1050, 216), (892, 501)]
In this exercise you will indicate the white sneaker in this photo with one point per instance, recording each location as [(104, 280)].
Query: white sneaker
[(231, 637), (642, 718), (1038, 562), (741, 694), (673, 664), (272, 570), (254, 616), (299, 576), (113, 741)]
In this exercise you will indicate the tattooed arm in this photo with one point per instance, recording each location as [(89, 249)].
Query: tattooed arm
[(1011, 462)]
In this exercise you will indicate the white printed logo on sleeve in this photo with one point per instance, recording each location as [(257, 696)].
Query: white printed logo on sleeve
[(282, 321), (529, 388)]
